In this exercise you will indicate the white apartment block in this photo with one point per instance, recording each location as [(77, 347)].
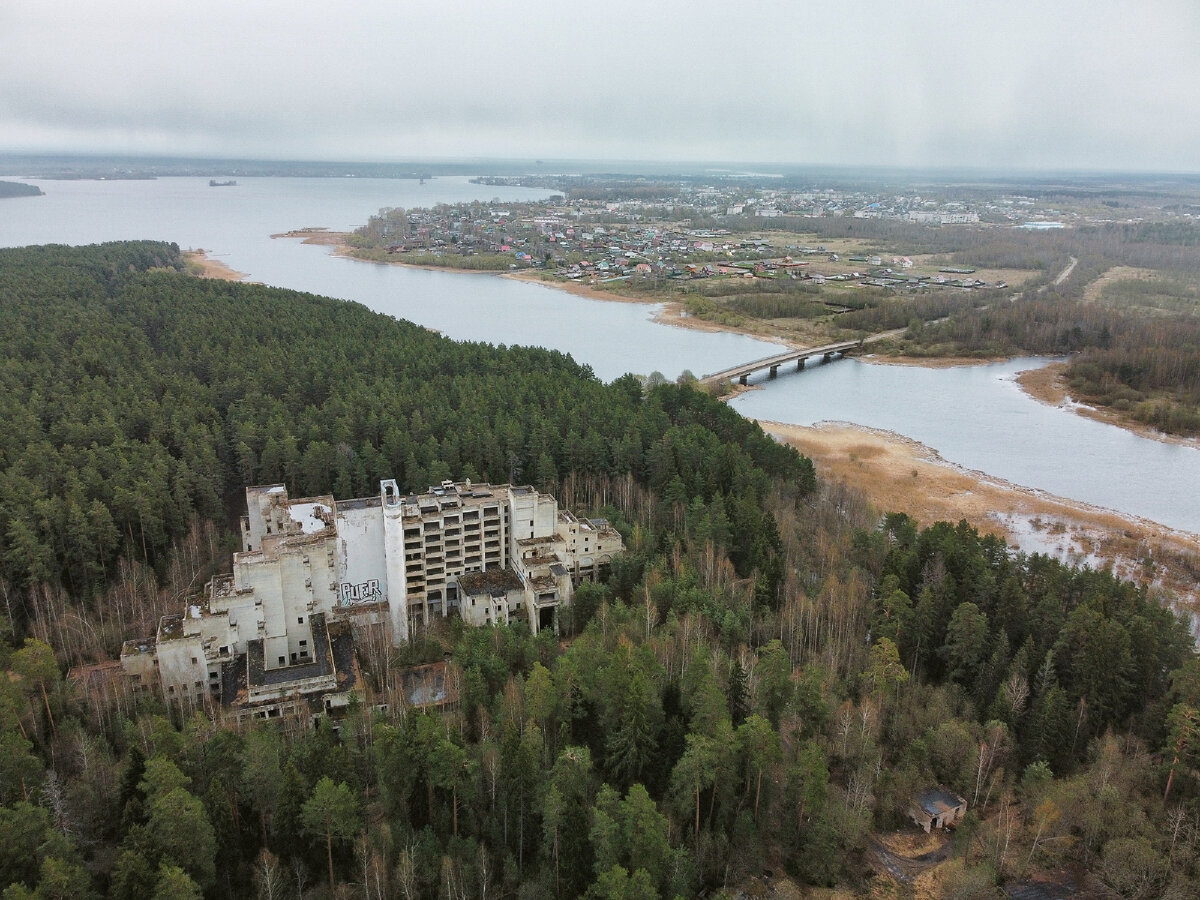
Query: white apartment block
[(278, 628)]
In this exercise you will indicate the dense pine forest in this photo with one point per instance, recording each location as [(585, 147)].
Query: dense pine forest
[(766, 680)]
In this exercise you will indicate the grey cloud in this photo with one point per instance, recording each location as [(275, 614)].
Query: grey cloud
[(924, 82)]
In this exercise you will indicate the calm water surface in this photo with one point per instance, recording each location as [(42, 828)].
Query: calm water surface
[(975, 416), (978, 417)]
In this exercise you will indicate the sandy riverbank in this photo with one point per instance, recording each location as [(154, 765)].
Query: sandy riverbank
[(1046, 384), (898, 474), (931, 362), (1049, 385), (672, 312), (206, 267), (316, 236)]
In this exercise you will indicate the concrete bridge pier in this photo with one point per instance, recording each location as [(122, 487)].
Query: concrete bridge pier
[(745, 379), (774, 373), (828, 357), (800, 364)]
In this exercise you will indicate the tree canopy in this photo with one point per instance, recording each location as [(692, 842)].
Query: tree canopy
[(764, 679)]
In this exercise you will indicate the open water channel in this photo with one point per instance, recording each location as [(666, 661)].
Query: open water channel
[(974, 416)]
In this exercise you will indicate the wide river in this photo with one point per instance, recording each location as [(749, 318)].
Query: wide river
[(974, 416)]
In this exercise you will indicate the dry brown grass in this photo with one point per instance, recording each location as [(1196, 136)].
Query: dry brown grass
[(316, 236), (201, 264), (932, 362), (1049, 385), (883, 887), (931, 884), (895, 473), (913, 843), (1094, 290)]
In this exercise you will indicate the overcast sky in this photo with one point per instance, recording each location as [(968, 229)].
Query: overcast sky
[(1058, 84)]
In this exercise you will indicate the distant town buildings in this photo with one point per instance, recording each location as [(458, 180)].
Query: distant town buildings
[(944, 217), (316, 574), (655, 232)]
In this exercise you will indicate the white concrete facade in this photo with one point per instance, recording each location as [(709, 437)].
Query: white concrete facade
[(396, 558)]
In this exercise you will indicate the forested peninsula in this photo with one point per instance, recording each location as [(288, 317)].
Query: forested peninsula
[(17, 189), (766, 681)]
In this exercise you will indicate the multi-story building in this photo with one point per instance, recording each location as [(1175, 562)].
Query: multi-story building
[(312, 572)]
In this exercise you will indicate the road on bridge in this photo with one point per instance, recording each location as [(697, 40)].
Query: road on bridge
[(828, 351), (798, 355), (772, 363)]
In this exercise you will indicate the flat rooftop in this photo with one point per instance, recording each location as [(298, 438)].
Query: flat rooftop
[(938, 801), (138, 647), (452, 496), (494, 582), (236, 672), (535, 541), (313, 515), (221, 586), (427, 685), (258, 675), (359, 503), (274, 544), (170, 627)]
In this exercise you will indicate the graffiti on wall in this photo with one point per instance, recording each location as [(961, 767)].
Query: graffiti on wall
[(366, 592)]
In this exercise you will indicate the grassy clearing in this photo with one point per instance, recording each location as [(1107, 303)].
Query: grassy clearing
[(1140, 289), (1093, 291)]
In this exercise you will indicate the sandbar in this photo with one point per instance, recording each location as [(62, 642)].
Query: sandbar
[(205, 266), (897, 474)]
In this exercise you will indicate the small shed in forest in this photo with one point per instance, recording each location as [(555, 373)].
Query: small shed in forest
[(937, 808)]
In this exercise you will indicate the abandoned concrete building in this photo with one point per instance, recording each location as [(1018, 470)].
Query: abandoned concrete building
[(936, 809), (278, 630)]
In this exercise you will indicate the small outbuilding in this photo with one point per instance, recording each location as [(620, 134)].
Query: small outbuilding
[(937, 809)]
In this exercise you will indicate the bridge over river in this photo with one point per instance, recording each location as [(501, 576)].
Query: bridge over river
[(772, 363)]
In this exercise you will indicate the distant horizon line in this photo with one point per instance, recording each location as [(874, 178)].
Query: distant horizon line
[(585, 166)]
